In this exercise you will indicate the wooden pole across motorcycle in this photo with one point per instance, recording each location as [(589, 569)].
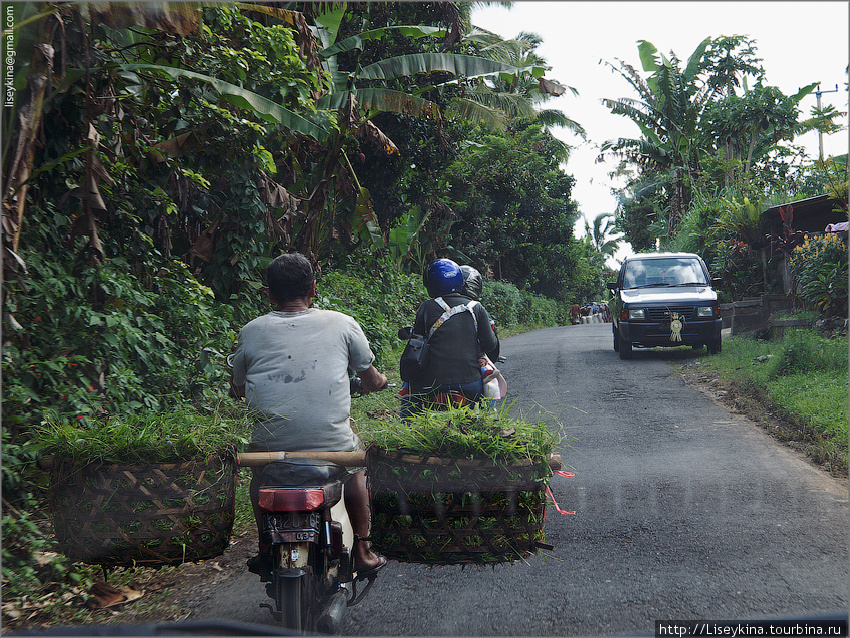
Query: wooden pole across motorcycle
[(356, 459)]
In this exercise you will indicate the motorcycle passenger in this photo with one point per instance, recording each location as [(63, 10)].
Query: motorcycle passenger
[(494, 382), (453, 351), (292, 366)]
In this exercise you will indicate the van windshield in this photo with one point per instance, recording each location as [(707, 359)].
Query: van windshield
[(675, 271)]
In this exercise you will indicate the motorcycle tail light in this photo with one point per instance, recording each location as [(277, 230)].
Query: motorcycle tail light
[(291, 500)]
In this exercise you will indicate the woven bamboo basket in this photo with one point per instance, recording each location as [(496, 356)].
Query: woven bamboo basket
[(455, 512), (149, 515)]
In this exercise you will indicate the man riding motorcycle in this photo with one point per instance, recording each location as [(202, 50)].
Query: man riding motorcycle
[(292, 366)]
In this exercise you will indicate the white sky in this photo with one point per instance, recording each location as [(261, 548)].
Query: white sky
[(799, 43)]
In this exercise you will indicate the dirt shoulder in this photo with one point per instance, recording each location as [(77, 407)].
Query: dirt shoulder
[(169, 594), (748, 400)]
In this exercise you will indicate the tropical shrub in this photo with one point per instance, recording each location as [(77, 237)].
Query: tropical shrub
[(93, 338), (542, 311), (380, 298), (504, 302), (820, 267)]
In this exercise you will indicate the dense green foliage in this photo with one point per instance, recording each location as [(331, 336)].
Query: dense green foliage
[(820, 267), (710, 141), (381, 300), (211, 140), (515, 210)]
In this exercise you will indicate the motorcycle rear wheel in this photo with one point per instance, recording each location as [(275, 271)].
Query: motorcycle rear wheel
[(294, 602)]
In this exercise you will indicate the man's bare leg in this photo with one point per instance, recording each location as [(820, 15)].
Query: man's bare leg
[(359, 513), (254, 496)]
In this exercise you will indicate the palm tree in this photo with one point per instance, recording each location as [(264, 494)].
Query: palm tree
[(600, 234), (520, 95)]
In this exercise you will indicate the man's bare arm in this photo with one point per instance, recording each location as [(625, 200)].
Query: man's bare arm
[(371, 379)]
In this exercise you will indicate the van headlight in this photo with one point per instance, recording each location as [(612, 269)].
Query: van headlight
[(705, 311), (637, 313)]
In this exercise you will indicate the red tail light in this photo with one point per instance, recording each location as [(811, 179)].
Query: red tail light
[(291, 500)]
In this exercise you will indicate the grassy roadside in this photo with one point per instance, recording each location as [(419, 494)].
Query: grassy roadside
[(795, 387)]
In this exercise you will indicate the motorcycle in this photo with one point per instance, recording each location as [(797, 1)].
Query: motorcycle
[(308, 571), (495, 386)]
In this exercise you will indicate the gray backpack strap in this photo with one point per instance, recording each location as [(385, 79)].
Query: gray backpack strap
[(451, 312)]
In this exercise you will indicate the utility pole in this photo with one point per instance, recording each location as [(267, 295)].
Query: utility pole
[(818, 93)]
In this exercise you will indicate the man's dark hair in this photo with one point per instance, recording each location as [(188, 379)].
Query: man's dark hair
[(289, 277)]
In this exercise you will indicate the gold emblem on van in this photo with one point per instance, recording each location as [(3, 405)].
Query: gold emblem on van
[(677, 322)]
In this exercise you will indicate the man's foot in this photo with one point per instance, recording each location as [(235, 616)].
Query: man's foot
[(261, 564), (362, 554), (370, 572)]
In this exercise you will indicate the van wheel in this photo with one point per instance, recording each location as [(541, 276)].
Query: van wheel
[(625, 349), (616, 340)]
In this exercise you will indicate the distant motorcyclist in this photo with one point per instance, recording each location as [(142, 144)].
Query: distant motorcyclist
[(454, 346)]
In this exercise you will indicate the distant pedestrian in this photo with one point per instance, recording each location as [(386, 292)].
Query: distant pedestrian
[(575, 313)]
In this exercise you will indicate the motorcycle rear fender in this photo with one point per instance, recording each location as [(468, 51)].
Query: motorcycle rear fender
[(294, 555)]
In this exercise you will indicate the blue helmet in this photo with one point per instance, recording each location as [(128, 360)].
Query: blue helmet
[(442, 276)]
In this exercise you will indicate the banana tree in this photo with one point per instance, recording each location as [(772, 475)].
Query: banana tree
[(667, 112), (359, 93)]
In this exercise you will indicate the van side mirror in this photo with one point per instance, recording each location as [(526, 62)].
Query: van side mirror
[(612, 286), (716, 281)]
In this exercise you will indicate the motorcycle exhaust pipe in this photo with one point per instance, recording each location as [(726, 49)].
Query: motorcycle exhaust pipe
[(329, 621)]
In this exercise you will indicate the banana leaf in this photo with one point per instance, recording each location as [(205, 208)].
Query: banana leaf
[(461, 65), (243, 98)]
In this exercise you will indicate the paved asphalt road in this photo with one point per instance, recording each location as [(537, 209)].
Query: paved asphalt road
[(683, 511)]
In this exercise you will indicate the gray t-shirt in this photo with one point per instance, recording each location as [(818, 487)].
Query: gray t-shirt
[(295, 369)]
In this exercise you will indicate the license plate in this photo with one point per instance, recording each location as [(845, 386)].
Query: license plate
[(280, 521), (301, 536)]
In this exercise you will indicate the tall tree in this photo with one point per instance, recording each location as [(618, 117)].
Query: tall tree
[(600, 234), (692, 120), (667, 113), (749, 127), (515, 215)]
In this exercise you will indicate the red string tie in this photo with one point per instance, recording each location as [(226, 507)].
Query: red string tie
[(552, 496)]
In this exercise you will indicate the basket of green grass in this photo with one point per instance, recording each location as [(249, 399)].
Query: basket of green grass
[(461, 486), (150, 490)]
